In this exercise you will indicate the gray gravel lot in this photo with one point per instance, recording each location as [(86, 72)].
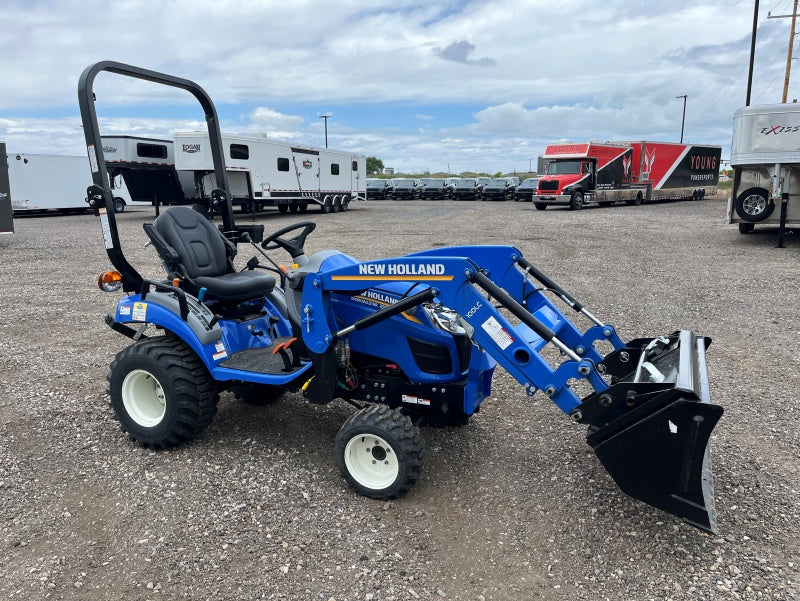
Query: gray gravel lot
[(514, 506)]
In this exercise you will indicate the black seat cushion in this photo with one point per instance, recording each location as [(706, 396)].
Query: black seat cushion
[(203, 257), (236, 286)]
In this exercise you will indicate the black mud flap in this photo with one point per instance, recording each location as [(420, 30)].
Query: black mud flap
[(651, 429), (322, 386)]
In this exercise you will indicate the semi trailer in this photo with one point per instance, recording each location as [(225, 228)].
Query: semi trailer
[(765, 157), (630, 172)]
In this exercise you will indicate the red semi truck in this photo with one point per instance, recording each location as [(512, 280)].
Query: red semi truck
[(630, 172)]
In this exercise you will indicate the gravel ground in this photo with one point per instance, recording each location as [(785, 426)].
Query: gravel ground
[(513, 506)]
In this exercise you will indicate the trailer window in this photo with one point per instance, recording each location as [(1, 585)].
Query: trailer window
[(283, 164), (240, 151), (334, 168), (355, 165), (151, 151)]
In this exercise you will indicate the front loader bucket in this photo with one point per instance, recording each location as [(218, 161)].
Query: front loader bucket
[(651, 431)]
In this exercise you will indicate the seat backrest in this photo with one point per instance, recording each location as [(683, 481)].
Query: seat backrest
[(201, 248)]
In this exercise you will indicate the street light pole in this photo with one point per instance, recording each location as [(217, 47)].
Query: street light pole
[(683, 119), (326, 127)]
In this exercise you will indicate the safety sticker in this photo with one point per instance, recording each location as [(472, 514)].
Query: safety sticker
[(497, 333), (92, 158), (415, 400), (139, 312), (221, 352), (106, 229), (125, 310)]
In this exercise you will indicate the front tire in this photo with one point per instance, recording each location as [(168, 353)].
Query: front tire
[(380, 452), (540, 206), (161, 392), (576, 201), (119, 205)]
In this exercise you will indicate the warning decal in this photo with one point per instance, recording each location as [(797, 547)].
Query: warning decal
[(139, 312), (497, 333), (107, 239)]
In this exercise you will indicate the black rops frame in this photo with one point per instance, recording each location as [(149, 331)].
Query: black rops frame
[(101, 191)]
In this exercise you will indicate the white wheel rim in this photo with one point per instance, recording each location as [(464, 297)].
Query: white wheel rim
[(371, 461), (143, 398)]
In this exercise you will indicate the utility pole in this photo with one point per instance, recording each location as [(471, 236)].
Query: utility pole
[(683, 119), (326, 116), (789, 52), (752, 54)]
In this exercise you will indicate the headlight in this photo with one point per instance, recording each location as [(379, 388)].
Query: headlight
[(447, 319)]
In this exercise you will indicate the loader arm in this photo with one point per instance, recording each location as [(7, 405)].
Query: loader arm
[(649, 416)]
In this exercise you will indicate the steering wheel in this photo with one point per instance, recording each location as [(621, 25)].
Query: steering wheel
[(294, 246)]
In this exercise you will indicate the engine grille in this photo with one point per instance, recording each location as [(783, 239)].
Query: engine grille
[(548, 185)]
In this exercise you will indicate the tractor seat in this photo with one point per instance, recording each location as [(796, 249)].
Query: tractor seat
[(197, 252)]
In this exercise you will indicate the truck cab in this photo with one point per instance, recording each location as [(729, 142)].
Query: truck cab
[(566, 181)]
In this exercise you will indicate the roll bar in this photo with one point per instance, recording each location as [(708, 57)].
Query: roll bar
[(101, 190)]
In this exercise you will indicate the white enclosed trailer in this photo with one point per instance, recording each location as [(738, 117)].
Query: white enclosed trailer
[(41, 182), (765, 157), (264, 172)]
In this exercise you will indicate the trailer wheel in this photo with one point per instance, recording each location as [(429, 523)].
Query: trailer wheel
[(283, 209), (161, 392), (702, 194), (345, 203), (380, 452), (293, 207), (337, 204), (746, 228), (119, 205), (326, 205), (753, 205), (540, 206), (576, 202), (302, 207)]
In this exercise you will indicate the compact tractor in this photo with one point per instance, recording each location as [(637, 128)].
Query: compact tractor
[(409, 341)]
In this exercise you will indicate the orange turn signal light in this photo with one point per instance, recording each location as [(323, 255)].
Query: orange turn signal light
[(109, 281)]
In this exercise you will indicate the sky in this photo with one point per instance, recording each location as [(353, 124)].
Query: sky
[(422, 85)]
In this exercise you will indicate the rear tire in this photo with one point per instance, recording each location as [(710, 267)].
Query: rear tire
[(639, 199), (753, 205), (576, 201), (119, 205), (161, 392), (380, 452)]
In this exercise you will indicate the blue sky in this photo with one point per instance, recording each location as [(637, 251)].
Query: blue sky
[(422, 85)]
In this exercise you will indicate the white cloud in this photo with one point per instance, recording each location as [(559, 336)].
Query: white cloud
[(564, 70)]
